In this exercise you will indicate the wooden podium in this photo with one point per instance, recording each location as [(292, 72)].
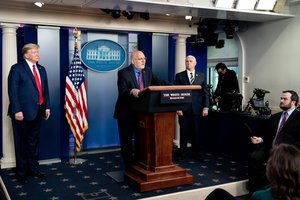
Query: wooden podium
[(156, 109)]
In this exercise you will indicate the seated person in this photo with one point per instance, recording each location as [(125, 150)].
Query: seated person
[(283, 174), (283, 127)]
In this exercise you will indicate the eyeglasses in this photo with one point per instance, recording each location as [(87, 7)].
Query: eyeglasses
[(139, 59)]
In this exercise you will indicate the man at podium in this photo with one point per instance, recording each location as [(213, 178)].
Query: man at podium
[(189, 119), (131, 80)]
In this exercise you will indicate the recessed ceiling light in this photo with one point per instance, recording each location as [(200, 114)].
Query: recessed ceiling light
[(265, 4), (224, 3), (245, 4), (39, 4), (188, 17)]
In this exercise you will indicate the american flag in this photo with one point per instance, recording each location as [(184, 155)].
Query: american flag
[(75, 100)]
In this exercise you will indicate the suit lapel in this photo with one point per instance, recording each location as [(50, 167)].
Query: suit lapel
[(41, 76), (133, 77), (146, 78), (290, 119), (186, 78), (28, 71), (197, 79)]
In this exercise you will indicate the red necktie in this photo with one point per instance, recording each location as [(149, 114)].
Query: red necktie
[(38, 84), (277, 140), (140, 80)]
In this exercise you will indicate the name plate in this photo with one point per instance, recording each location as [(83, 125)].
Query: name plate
[(176, 96)]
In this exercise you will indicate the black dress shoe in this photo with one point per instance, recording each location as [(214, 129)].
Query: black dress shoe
[(37, 174), (21, 179)]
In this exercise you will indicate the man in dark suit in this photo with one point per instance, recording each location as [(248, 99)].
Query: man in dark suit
[(227, 87), (283, 127), (190, 118), (131, 80), (29, 104)]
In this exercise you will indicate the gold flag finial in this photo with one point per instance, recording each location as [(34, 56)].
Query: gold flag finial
[(76, 34)]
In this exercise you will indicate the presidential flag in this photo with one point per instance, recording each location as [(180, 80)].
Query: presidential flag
[(75, 100)]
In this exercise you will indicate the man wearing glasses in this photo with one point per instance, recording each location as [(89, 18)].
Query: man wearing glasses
[(131, 80)]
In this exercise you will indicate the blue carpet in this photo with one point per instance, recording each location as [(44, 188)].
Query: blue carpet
[(91, 181)]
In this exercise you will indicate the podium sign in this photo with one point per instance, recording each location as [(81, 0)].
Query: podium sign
[(153, 168), (176, 96)]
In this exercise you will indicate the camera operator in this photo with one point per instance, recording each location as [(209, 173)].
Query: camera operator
[(227, 87)]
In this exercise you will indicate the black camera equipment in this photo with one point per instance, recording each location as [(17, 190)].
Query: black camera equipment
[(258, 104), (212, 103), (234, 101)]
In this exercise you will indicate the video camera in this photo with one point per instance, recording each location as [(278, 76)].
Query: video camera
[(258, 104), (260, 93)]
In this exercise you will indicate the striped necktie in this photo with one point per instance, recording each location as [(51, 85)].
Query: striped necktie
[(192, 78)]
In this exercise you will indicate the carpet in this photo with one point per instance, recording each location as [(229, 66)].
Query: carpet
[(99, 178)]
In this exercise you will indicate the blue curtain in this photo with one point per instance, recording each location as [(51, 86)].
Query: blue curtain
[(171, 58), (145, 45), (1, 93), (64, 65), (199, 50)]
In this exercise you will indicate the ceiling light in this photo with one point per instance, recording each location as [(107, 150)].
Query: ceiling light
[(145, 16), (245, 4), (116, 14), (127, 14), (265, 4), (224, 3), (188, 17), (39, 4)]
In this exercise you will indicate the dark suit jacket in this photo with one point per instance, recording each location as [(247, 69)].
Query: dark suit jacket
[(200, 98), (126, 82), (23, 92), (227, 83), (290, 130)]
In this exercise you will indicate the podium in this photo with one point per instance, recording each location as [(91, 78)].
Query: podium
[(153, 168)]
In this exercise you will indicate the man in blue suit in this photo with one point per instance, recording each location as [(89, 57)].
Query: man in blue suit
[(29, 104), (190, 118), (131, 80)]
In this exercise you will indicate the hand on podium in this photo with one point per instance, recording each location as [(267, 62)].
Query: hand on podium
[(135, 92)]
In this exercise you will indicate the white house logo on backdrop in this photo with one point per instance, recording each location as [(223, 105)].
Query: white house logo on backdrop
[(103, 55)]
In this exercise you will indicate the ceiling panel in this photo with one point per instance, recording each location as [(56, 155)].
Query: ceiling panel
[(205, 9)]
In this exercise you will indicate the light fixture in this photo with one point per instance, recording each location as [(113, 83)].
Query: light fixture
[(128, 14), (245, 4), (39, 4), (265, 4), (145, 16), (116, 14), (224, 3), (188, 17), (220, 44)]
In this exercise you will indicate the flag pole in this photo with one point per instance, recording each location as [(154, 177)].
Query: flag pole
[(75, 161)]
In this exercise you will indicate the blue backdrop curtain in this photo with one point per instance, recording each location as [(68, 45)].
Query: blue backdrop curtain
[(199, 50), (171, 58), (145, 45), (26, 34), (64, 66), (1, 152)]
